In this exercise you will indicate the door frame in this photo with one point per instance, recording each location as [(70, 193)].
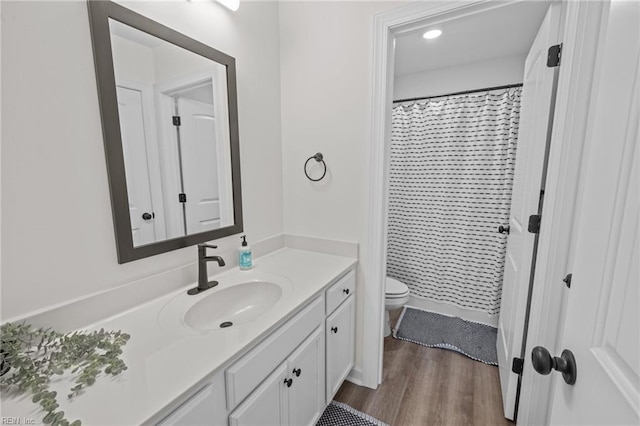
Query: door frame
[(386, 26), (563, 174), (170, 164)]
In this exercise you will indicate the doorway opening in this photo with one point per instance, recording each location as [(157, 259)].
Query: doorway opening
[(485, 47)]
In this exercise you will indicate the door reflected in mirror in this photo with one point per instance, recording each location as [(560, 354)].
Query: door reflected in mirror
[(174, 126)]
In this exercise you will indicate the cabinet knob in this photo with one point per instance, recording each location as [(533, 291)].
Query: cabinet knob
[(288, 382), (297, 372), (334, 329), (346, 291)]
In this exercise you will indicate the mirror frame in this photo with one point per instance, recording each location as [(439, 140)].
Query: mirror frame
[(99, 13)]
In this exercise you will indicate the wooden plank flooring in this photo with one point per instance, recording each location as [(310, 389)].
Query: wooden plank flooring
[(429, 386)]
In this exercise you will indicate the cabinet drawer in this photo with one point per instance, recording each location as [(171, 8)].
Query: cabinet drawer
[(338, 292), (246, 374)]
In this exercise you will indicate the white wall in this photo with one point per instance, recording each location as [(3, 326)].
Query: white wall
[(478, 75), (132, 61), (326, 106), (172, 62), (57, 233), (326, 52)]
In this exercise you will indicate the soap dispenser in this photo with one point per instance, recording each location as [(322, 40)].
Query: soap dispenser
[(245, 259)]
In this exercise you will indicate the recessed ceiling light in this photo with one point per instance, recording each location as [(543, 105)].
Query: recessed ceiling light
[(432, 34)]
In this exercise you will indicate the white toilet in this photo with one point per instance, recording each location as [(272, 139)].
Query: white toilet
[(396, 296)]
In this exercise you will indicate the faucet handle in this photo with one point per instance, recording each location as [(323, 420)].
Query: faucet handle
[(203, 246)]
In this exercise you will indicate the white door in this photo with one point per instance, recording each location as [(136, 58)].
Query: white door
[(537, 97), (602, 319), (267, 405), (134, 144), (306, 369), (199, 165)]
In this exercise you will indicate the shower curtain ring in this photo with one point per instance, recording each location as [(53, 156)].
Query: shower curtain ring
[(319, 158)]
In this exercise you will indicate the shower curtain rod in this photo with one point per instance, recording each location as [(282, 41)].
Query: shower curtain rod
[(486, 89)]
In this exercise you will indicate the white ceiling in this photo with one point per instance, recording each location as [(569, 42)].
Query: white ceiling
[(504, 31)]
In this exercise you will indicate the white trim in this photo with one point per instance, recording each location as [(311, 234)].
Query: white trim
[(170, 165), (581, 37), (355, 376), (165, 93), (385, 26)]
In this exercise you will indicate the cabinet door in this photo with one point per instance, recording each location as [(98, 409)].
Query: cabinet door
[(306, 369), (340, 343), (198, 410), (204, 408), (267, 405)]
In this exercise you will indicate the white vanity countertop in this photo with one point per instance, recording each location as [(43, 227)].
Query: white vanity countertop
[(165, 363)]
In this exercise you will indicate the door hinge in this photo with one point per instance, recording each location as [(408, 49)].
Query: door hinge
[(176, 120), (534, 223), (517, 365), (553, 55), (182, 198)]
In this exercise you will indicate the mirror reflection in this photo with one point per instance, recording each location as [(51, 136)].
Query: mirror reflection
[(174, 124)]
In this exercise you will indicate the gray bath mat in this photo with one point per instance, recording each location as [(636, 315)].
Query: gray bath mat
[(475, 340), (339, 414)]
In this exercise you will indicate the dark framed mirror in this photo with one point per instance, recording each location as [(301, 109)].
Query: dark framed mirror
[(170, 125)]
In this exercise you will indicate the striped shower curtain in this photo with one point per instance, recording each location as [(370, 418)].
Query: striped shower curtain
[(451, 175)]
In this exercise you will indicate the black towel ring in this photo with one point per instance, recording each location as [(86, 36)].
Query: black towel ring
[(319, 158)]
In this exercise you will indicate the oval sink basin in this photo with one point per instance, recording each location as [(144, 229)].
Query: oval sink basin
[(237, 299), (233, 305)]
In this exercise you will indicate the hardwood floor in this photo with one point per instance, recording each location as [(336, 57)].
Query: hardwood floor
[(429, 386)]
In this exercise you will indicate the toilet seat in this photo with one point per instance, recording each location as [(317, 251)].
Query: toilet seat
[(395, 289)]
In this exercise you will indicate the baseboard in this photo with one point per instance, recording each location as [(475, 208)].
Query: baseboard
[(355, 376), (451, 310)]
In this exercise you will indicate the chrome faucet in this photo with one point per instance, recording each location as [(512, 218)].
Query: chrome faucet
[(203, 281)]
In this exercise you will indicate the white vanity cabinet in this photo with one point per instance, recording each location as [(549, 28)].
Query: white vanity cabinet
[(290, 376), (293, 394), (340, 333)]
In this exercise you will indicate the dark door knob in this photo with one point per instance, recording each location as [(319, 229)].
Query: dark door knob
[(334, 329), (503, 229), (147, 216), (543, 363), (297, 372), (345, 291), (288, 382)]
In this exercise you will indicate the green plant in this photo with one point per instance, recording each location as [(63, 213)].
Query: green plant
[(31, 356)]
